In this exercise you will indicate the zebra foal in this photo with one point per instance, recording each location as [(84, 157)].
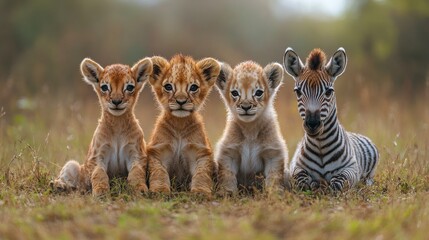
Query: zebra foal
[(327, 154)]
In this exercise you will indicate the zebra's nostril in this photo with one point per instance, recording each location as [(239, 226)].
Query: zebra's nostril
[(312, 119), (312, 124)]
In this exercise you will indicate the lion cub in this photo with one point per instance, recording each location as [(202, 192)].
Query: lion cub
[(179, 151), (117, 147), (251, 144)]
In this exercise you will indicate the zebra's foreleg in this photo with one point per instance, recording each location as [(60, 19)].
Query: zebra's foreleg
[(345, 180), (302, 180)]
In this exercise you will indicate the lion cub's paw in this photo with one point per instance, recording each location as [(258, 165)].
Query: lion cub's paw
[(160, 189), (100, 192), (207, 193), (140, 189)]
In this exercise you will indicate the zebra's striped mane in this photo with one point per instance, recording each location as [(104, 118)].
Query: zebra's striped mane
[(316, 59)]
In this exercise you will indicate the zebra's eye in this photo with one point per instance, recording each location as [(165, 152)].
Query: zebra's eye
[(129, 88), (193, 88), (168, 87), (329, 92), (259, 93), (298, 92), (235, 93), (104, 88)]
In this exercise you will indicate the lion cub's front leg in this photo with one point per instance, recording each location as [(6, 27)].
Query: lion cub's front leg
[(274, 179), (227, 176), (99, 181), (159, 181), (137, 168), (137, 177), (202, 169), (274, 170)]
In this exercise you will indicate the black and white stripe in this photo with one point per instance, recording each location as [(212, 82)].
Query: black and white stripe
[(327, 154)]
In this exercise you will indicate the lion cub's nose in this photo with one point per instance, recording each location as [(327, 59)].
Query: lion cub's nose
[(117, 102), (181, 101), (246, 107)]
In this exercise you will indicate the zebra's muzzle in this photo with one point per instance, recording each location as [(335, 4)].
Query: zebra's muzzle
[(312, 123)]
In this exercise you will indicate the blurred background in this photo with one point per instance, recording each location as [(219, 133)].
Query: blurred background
[(45, 104)]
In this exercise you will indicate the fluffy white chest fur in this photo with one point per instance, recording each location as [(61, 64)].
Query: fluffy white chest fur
[(118, 157), (251, 162), (177, 161)]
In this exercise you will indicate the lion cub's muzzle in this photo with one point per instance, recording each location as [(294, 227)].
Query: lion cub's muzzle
[(117, 106), (246, 109), (181, 107)]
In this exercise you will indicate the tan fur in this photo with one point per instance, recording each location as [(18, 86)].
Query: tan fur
[(179, 150), (117, 147), (250, 145)]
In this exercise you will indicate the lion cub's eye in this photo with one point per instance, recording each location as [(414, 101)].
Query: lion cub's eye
[(193, 88), (129, 88), (104, 88), (168, 87), (259, 93), (235, 93)]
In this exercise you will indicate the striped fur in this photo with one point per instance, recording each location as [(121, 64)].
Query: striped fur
[(327, 154)]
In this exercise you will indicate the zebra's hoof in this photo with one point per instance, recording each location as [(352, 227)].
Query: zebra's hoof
[(369, 182)]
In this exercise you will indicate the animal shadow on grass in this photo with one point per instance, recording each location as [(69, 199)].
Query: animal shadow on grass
[(360, 192), (119, 189), (254, 188), (180, 189)]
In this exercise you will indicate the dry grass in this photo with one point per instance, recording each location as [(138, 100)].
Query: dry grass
[(40, 135)]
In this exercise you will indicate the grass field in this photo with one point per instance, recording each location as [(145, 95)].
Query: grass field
[(38, 135)]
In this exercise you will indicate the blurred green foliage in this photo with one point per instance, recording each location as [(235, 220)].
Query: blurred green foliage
[(43, 41)]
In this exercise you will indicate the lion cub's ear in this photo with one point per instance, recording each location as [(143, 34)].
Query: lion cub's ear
[(160, 66), (274, 74), (224, 76), (142, 70), (91, 71), (209, 69)]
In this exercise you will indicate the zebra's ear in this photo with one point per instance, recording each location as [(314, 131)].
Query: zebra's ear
[(224, 76), (337, 64), (292, 63), (274, 74)]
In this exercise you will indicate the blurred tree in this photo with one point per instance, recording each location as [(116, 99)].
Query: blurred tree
[(43, 41), (390, 37)]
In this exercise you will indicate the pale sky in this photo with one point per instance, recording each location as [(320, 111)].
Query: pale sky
[(328, 7), (331, 8)]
